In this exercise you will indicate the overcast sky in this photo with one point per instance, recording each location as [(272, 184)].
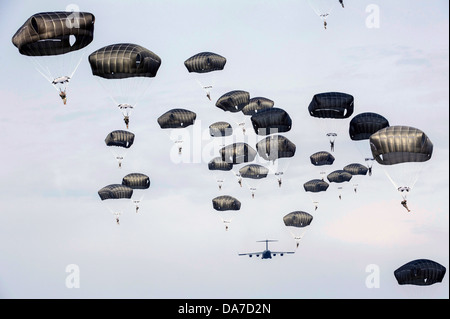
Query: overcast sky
[(392, 56)]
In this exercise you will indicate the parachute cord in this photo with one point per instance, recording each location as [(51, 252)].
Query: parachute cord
[(389, 177)]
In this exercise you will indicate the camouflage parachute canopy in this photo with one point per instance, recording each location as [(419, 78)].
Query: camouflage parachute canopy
[(400, 144), (115, 191), (204, 62), (315, 186), (177, 118), (220, 129), (237, 153), (233, 101), (339, 176), (356, 169), (120, 138), (333, 105), (124, 60), (274, 147), (253, 171), (257, 104), (48, 33), (217, 164), (226, 202), (420, 272), (271, 120), (136, 181), (365, 124), (322, 158), (298, 219)]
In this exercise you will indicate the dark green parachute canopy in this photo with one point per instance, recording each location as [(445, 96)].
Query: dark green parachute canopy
[(48, 33), (115, 191), (204, 62), (177, 118), (365, 124), (322, 158), (271, 120), (315, 186), (400, 144), (356, 169), (274, 147), (254, 171), (226, 202), (237, 153), (339, 176), (220, 129), (420, 272), (257, 104), (120, 138), (298, 219), (124, 60), (136, 181), (333, 105), (217, 164), (233, 101)]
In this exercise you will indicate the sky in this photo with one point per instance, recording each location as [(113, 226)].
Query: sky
[(59, 240)]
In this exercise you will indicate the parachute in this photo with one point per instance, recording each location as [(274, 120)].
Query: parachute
[(296, 221), (56, 41), (252, 174), (119, 141), (220, 129), (219, 167), (322, 158), (138, 182), (177, 119), (233, 101), (420, 272), (339, 176), (125, 71), (226, 203), (257, 104), (402, 151), (356, 169), (315, 186), (205, 62), (237, 153), (117, 196), (271, 120)]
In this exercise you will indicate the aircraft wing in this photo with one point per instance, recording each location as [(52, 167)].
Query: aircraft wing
[(251, 254), (282, 252)]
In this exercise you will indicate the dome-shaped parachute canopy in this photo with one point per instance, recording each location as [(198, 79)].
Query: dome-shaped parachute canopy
[(204, 62), (315, 186), (226, 202), (136, 181), (124, 60), (233, 101), (177, 118), (48, 33), (254, 171), (356, 169), (237, 153), (400, 144), (120, 138), (363, 125), (298, 219), (322, 158), (274, 147), (420, 272), (339, 176), (333, 105), (271, 120), (220, 129), (217, 164), (115, 191), (257, 104)]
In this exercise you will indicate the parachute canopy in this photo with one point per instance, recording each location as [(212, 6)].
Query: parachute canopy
[(254, 171), (297, 219), (136, 181), (233, 101), (177, 118), (220, 129), (274, 147), (204, 62), (124, 60), (217, 164), (271, 120), (226, 202), (365, 124), (48, 33), (257, 104), (237, 153), (322, 158), (356, 169), (120, 138), (333, 105), (115, 191), (420, 272), (400, 144), (339, 176), (315, 186)]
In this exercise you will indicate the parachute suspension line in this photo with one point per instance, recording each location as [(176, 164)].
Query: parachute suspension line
[(390, 178)]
